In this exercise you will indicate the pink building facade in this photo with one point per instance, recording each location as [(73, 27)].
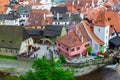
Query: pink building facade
[(71, 52)]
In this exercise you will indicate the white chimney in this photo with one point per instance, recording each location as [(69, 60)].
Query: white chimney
[(78, 2), (86, 9), (58, 16), (69, 15), (73, 3), (81, 38), (93, 5), (44, 16)]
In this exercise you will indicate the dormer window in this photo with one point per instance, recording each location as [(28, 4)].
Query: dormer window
[(109, 19), (111, 25)]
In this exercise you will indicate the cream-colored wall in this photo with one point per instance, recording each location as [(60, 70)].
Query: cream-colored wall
[(25, 44), (8, 52)]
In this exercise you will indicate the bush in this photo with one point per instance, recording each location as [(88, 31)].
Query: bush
[(62, 58), (89, 49)]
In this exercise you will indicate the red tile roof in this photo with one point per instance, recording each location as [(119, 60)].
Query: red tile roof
[(16, 7), (90, 30), (39, 18), (114, 19), (101, 19), (3, 6), (72, 39), (79, 5), (71, 9)]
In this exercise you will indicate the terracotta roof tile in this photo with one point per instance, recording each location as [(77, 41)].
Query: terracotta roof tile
[(35, 19), (70, 40), (101, 19), (39, 18), (41, 11), (73, 38), (3, 5), (90, 30), (71, 9), (114, 20), (16, 7), (79, 4), (83, 33)]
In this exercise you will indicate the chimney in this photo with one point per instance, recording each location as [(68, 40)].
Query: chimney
[(78, 2), (73, 3), (82, 39), (44, 16), (93, 5), (69, 15), (58, 16), (86, 9)]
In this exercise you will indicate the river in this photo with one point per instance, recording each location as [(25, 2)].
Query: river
[(99, 74), (102, 74)]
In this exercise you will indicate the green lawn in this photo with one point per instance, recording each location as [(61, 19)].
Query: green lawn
[(8, 57)]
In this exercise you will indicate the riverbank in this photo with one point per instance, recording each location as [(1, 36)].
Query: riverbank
[(15, 67), (102, 74), (84, 70)]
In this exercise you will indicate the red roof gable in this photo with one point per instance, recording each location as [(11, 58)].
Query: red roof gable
[(101, 19), (72, 39)]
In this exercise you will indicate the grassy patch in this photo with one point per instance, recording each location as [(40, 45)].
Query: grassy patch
[(8, 57), (80, 66)]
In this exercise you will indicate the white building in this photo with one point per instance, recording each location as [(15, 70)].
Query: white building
[(12, 19), (25, 44), (101, 28)]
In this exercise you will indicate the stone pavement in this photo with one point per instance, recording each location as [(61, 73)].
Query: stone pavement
[(45, 50)]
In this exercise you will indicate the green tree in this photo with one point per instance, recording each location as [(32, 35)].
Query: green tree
[(48, 70), (89, 49), (62, 58)]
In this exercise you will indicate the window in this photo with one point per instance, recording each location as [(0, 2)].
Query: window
[(58, 44), (86, 45), (96, 46), (72, 49), (106, 37), (27, 15), (99, 30), (6, 50), (78, 48), (109, 19), (10, 41), (65, 23), (2, 40), (113, 34), (11, 51), (67, 49), (106, 31)]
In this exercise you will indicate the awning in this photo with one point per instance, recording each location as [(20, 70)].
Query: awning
[(115, 41)]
